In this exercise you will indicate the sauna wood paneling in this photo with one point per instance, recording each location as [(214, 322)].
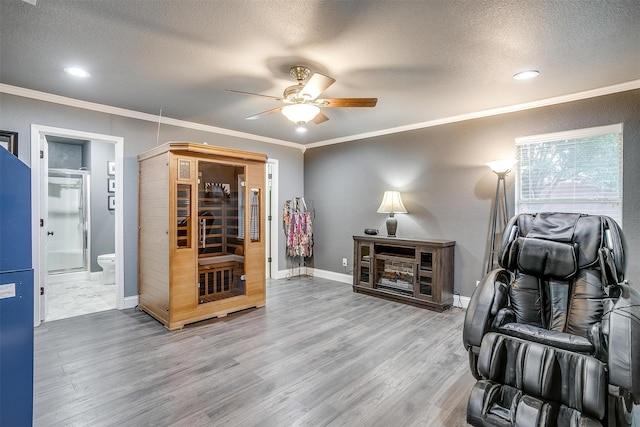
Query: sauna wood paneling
[(168, 276), (153, 250)]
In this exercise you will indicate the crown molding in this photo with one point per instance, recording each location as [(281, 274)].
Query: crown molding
[(607, 90), (71, 102), (107, 109)]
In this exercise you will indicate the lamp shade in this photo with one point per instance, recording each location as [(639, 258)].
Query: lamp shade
[(300, 113), (501, 166), (392, 203)]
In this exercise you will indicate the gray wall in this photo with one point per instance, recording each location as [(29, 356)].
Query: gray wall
[(445, 184), (441, 172), (18, 114), (103, 221)]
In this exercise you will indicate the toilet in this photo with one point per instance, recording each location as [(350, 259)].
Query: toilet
[(108, 264)]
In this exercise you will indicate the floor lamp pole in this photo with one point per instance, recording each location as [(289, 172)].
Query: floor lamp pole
[(494, 222)]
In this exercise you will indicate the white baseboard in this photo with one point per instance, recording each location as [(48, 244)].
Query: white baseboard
[(282, 274), (458, 300), (461, 301), (309, 271), (131, 302), (332, 275)]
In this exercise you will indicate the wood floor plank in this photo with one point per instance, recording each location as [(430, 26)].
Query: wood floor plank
[(316, 355)]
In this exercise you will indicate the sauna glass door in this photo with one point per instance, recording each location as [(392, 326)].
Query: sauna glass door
[(220, 242)]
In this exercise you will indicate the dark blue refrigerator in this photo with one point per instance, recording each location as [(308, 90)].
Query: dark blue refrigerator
[(16, 293)]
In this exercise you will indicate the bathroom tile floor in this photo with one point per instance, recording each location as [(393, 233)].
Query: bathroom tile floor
[(78, 297)]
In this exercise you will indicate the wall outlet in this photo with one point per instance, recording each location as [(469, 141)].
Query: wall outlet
[(344, 262)]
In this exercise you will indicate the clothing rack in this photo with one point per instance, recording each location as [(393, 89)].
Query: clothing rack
[(298, 230)]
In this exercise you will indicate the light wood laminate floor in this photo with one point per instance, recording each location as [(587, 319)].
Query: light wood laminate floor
[(316, 355)]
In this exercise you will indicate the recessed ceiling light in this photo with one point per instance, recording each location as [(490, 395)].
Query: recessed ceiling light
[(301, 129), (77, 72), (525, 75)]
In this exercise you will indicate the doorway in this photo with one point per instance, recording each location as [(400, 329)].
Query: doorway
[(56, 262), (80, 227)]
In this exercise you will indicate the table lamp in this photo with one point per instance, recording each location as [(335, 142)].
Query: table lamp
[(392, 204)]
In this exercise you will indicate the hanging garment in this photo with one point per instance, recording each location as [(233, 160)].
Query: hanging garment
[(298, 228)]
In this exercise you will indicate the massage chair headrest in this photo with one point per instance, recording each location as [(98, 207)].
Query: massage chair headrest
[(557, 245)]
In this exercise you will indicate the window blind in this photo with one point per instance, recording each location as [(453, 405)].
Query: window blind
[(576, 171)]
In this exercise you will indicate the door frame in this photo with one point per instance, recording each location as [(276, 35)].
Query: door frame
[(38, 131), (272, 225)]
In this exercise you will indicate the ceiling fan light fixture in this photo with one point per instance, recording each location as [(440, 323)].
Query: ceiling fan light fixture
[(301, 129), (300, 113)]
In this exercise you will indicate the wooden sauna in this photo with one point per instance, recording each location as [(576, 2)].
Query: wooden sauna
[(201, 249)]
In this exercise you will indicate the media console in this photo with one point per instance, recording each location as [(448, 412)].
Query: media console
[(409, 270)]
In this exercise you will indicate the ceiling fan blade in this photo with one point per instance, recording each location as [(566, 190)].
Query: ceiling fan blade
[(264, 113), (347, 102), (320, 118), (317, 84), (254, 94)]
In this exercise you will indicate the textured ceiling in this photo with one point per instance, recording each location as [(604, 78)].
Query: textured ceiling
[(424, 60)]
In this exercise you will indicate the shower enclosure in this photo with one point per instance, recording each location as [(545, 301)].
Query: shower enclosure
[(68, 220)]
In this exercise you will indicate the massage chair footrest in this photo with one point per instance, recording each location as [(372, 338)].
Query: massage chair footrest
[(493, 404)]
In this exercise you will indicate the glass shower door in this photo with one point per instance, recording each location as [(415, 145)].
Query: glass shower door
[(67, 230)]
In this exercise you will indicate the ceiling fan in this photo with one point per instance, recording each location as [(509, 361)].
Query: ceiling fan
[(302, 102)]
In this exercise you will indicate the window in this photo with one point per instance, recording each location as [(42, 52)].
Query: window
[(575, 171)]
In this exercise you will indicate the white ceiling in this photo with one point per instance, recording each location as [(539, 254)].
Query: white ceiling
[(425, 61)]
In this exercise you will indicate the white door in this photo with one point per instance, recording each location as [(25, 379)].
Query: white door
[(273, 219), (44, 226), (268, 218)]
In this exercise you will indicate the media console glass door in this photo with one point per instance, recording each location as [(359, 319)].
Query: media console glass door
[(364, 256), (424, 284)]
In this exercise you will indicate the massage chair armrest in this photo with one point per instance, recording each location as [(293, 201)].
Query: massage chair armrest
[(489, 297), (622, 327), (597, 337), (550, 338), (505, 315)]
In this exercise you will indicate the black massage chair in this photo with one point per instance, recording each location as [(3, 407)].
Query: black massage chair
[(553, 335)]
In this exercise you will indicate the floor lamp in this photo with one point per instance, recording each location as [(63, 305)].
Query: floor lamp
[(501, 168)]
